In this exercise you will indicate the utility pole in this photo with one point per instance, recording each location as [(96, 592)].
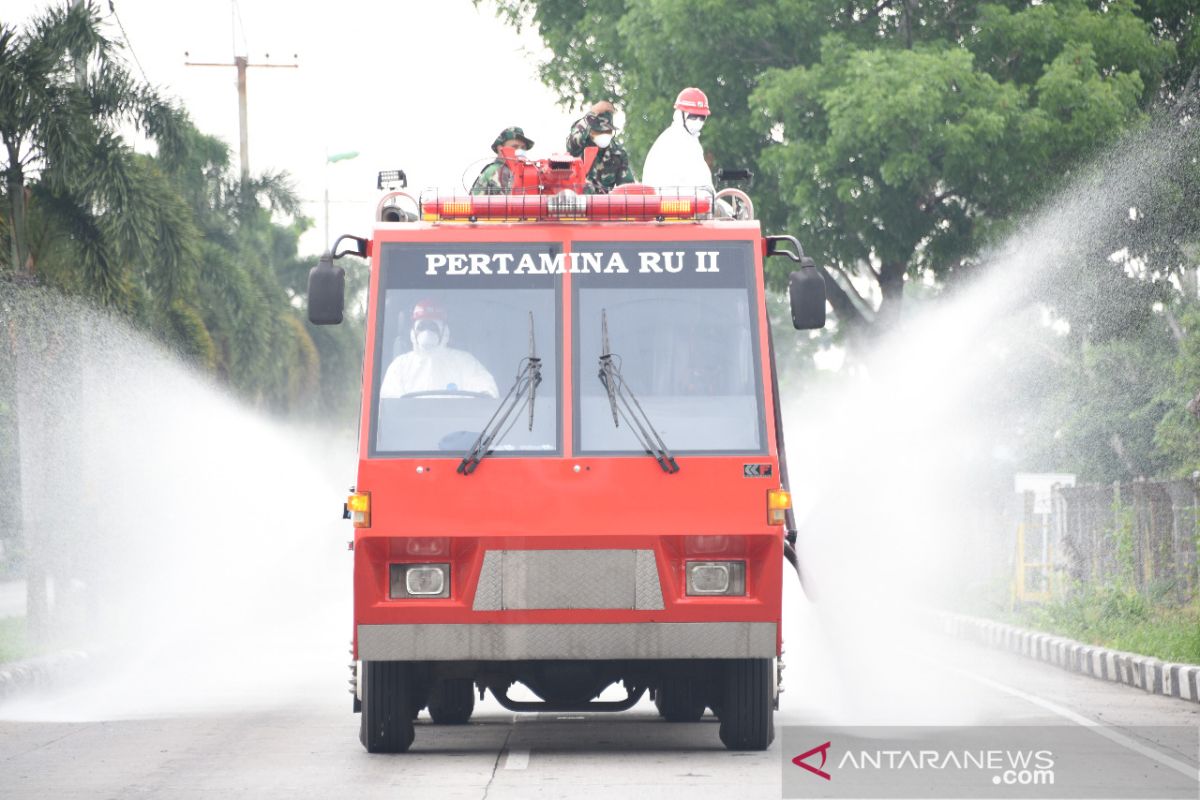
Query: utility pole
[(241, 63)]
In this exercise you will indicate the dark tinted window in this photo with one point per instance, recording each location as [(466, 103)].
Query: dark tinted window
[(682, 323)]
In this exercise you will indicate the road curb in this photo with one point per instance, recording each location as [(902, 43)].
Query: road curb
[(43, 672), (1142, 672)]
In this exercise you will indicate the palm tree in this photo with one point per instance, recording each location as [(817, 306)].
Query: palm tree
[(64, 94), (255, 340)]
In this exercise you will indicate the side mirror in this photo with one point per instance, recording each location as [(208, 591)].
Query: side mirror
[(326, 292), (361, 247), (806, 289)]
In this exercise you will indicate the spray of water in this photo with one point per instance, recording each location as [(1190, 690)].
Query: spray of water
[(195, 546), (897, 466)]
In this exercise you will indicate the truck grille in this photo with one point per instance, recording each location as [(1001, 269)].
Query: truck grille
[(543, 579)]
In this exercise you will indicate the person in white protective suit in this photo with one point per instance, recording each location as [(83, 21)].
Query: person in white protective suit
[(433, 366), (676, 160)]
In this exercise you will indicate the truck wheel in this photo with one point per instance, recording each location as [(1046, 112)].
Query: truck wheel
[(452, 701), (679, 700), (747, 708), (386, 724)]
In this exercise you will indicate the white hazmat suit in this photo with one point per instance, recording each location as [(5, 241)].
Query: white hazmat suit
[(676, 160), (432, 366)]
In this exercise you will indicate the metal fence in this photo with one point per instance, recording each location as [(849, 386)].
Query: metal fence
[(1142, 536)]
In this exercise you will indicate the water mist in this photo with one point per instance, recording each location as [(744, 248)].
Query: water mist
[(195, 546), (898, 467)]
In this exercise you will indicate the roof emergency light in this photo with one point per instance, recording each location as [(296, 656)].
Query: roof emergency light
[(567, 205)]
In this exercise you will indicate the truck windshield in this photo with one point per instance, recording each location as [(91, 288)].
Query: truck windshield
[(452, 331), (681, 324)]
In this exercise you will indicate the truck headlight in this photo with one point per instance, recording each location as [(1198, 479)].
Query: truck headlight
[(716, 577), (419, 580)]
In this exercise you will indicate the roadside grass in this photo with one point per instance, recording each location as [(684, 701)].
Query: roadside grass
[(1122, 620), (14, 642)]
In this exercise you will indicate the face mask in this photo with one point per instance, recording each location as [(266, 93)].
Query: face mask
[(520, 151), (602, 139), (693, 126), (427, 340)]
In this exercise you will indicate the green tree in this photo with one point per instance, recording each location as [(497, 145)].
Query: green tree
[(1177, 432), (239, 317), (902, 161), (339, 347), (1111, 404), (64, 95), (1176, 21)]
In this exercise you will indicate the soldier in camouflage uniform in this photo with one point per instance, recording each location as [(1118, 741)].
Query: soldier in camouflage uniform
[(496, 177), (611, 167)]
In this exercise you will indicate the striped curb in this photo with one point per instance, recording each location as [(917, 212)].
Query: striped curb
[(1142, 672), (17, 677)]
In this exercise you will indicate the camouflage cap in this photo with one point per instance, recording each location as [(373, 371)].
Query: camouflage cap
[(514, 132), (600, 123)]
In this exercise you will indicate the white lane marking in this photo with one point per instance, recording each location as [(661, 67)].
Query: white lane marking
[(516, 759), (1096, 727)]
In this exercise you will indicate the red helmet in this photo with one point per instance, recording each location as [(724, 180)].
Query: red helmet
[(428, 309), (693, 101)]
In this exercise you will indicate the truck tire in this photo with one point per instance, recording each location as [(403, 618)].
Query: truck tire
[(747, 707), (386, 725), (679, 700), (452, 701)]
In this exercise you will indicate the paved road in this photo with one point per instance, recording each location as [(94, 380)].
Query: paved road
[(309, 748)]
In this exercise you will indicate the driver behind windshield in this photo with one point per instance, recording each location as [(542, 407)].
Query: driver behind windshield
[(432, 366)]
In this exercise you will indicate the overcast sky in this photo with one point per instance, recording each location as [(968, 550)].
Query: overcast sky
[(421, 86)]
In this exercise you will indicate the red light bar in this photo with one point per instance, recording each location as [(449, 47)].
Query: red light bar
[(567, 206)]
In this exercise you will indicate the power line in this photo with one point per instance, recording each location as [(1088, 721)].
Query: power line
[(237, 10), (128, 42)]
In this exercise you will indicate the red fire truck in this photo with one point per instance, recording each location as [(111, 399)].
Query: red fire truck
[(571, 467)]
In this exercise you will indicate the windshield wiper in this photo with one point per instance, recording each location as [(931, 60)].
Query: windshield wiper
[(522, 393), (625, 404)]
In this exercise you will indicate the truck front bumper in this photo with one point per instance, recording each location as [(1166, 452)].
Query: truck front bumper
[(518, 642)]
